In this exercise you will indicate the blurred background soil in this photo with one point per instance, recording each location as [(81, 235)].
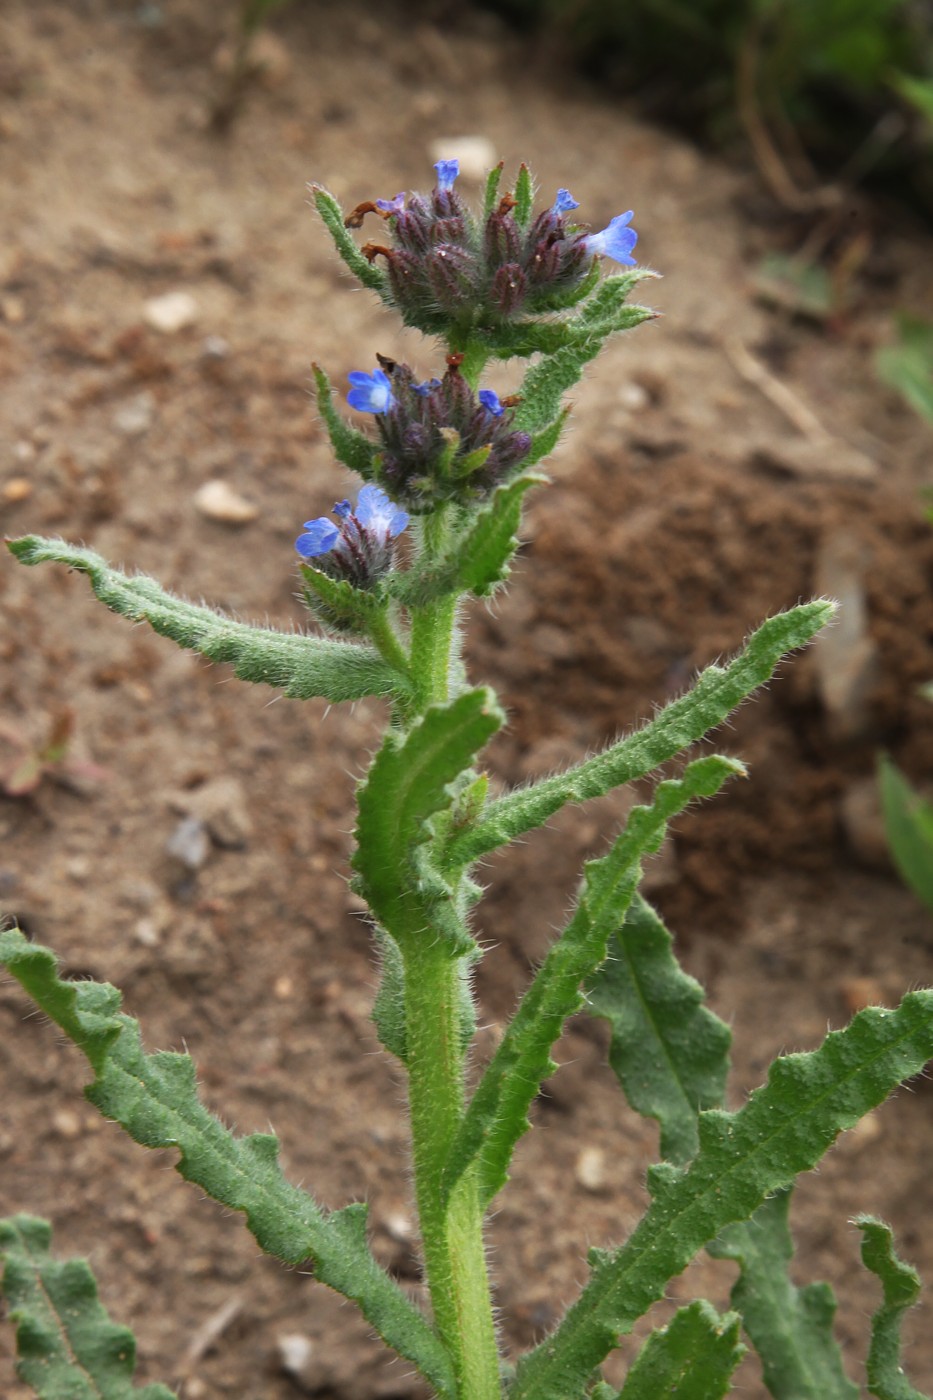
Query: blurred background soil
[(723, 463)]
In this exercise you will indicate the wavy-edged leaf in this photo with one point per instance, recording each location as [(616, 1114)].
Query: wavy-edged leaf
[(491, 190), (498, 1112), (154, 1098), (67, 1346), (790, 1328), (300, 665), (668, 1050), (901, 1285), (908, 823), (692, 1358), (478, 559), (389, 1006), (785, 1128), (524, 196), (548, 380), (545, 337), (354, 449), (408, 783), (332, 217), (717, 692)]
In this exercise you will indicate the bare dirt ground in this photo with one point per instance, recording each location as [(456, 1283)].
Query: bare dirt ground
[(688, 502)]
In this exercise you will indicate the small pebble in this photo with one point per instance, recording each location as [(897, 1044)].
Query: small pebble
[(590, 1170), (476, 154), (214, 347), (17, 489), (13, 310), (171, 312), (135, 417), (189, 843), (146, 932), (223, 806), (218, 501), (399, 1227), (66, 1123)]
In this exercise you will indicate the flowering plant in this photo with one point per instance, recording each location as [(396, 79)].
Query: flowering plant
[(446, 465)]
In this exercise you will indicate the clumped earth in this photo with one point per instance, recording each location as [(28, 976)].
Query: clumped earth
[(724, 463)]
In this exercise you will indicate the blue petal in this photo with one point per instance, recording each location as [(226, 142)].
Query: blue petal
[(392, 206), (322, 535), (447, 172), (490, 401), (565, 202), (425, 387), (371, 393), (375, 511), (616, 241)]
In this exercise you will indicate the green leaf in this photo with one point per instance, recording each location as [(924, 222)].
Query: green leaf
[(790, 1328), (908, 822), (901, 1285), (154, 1098), (670, 1053), (607, 303), (408, 783), (300, 665), (67, 1346), (547, 380), (498, 1113), (389, 1006), (478, 559), (363, 270), (692, 1358), (918, 92), (714, 696), (543, 443), (354, 449), (785, 1128), (908, 365), (491, 193), (524, 196)]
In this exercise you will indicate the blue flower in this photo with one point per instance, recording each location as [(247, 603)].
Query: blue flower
[(378, 515), (371, 393), (490, 401), (322, 535), (360, 543), (391, 206), (426, 387), (564, 202), (615, 241), (447, 172)]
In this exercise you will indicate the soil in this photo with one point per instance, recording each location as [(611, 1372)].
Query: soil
[(698, 491)]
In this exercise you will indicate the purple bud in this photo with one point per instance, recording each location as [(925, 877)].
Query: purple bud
[(508, 289)]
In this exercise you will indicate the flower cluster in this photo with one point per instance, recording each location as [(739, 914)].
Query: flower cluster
[(443, 266), (360, 549), (440, 441)]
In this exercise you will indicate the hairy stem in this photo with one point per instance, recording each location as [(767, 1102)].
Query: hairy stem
[(451, 1230), (433, 624)]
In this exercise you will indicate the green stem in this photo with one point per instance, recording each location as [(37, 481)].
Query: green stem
[(433, 625), (451, 1232)]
